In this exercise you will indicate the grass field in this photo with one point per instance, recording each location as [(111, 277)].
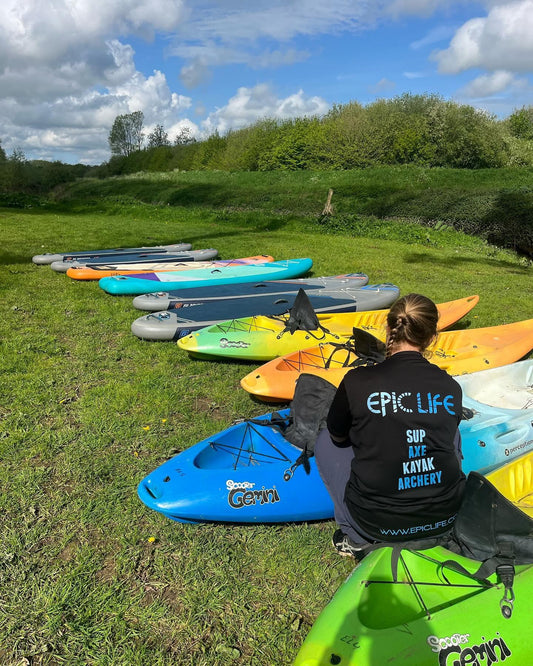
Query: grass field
[(88, 575)]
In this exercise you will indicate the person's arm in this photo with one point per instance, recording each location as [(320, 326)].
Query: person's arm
[(457, 446), (339, 418), (457, 439)]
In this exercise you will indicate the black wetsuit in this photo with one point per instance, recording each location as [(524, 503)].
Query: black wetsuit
[(401, 418)]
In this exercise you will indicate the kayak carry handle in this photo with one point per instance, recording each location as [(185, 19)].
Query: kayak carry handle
[(506, 573)]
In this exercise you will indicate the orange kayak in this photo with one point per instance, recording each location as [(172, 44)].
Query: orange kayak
[(457, 352), (108, 270)]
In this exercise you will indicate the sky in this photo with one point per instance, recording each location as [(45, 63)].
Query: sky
[(68, 68)]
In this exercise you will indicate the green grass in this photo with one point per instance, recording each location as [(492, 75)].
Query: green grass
[(88, 575), (494, 204), (301, 192)]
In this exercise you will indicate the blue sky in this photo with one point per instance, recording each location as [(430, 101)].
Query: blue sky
[(69, 67)]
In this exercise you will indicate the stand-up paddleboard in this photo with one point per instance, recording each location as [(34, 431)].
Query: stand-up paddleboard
[(248, 472), (457, 352), (263, 338), (176, 323), (48, 258), (134, 260), (148, 282), (101, 271), (176, 299)]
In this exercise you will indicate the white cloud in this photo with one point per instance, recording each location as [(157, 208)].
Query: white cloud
[(280, 20), (202, 58), (226, 32), (195, 73), (252, 104), (418, 7), (438, 34), (414, 75), (64, 75), (488, 85), (382, 86), (69, 67), (503, 40)]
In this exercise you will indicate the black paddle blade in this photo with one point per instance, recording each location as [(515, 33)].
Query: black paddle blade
[(302, 316)]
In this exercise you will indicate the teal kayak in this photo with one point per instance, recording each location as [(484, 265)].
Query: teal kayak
[(145, 283)]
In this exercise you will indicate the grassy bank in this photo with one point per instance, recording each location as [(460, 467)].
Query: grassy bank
[(493, 204), (88, 574)]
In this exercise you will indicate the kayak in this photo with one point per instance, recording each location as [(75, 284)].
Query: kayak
[(497, 421), (49, 257), (263, 338), (148, 282), (435, 611), (433, 615), (101, 271), (457, 352), (344, 285), (177, 323), (243, 474), (225, 477), (515, 481), (133, 259)]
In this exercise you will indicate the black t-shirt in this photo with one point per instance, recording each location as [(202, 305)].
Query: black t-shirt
[(401, 417)]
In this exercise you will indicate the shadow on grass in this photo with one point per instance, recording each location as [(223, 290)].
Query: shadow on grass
[(510, 220), (450, 262), (7, 259)]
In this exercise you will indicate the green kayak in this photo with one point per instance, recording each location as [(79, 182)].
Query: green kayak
[(433, 615)]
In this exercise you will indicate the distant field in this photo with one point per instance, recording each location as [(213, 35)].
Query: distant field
[(88, 574)]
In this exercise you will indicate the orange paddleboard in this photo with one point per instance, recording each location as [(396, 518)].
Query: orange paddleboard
[(108, 270), (457, 352)]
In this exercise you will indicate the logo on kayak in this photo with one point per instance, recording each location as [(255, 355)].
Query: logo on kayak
[(514, 449), (485, 654), (238, 344), (241, 494), (441, 353)]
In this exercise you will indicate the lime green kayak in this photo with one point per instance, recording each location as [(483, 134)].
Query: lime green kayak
[(432, 615)]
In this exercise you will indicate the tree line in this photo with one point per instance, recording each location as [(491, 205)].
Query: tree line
[(23, 181), (408, 129)]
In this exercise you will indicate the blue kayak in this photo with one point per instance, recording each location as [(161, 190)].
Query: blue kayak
[(247, 473), (145, 283), (497, 424), (243, 474)]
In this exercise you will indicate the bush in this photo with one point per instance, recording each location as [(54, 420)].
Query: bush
[(521, 123)]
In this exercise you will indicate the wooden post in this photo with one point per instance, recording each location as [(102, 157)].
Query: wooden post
[(328, 208)]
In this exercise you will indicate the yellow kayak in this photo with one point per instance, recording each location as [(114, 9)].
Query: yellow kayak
[(515, 481), (261, 338), (457, 352)]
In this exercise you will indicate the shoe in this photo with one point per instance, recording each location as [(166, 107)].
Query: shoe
[(346, 547)]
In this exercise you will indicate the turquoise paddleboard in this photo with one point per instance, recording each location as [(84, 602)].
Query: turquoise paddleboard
[(145, 283)]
